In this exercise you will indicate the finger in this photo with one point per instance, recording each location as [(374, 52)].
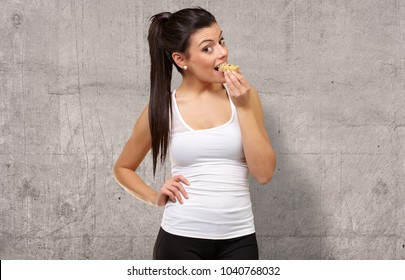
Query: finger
[(240, 82), (234, 78), (182, 179), (182, 190), (175, 191), (230, 82), (178, 179), (169, 194), (241, 79)]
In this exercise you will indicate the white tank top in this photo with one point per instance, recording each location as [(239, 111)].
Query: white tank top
[(219, 204)]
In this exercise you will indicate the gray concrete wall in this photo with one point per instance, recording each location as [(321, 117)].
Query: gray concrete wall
[(74, 78)]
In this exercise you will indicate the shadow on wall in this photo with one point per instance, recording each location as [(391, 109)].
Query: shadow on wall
[(331, 205)]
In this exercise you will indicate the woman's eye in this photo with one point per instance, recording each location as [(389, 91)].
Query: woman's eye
[(210, 49), (207, 49)]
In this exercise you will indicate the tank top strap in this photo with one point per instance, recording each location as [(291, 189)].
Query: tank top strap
[(176, 125), (235, 119)]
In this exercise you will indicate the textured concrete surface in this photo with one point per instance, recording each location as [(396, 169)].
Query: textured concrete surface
[(74, 78)]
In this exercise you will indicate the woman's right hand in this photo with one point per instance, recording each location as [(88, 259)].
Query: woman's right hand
[(172, 189)]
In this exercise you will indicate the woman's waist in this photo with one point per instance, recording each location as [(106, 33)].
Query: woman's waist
[(210, 210), (212, 201), (213, 174), (210, 215), (215, 188)]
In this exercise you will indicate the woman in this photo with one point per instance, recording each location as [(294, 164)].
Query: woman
[(213, 127)]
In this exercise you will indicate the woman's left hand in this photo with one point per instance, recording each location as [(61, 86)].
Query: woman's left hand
[(239, 88)]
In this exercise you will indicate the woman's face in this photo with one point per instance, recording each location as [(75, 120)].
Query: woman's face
[(207, 50)]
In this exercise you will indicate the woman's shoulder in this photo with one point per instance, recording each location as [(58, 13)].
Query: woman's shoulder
[(143, 119), (145, 111)]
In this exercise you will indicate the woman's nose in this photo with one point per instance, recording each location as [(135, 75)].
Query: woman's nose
[(223, 51)]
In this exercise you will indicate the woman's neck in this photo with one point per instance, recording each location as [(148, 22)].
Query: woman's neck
[(192, 85)]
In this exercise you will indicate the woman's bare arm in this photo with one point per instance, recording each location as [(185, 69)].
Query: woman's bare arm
[(259, 153), (133, 153)]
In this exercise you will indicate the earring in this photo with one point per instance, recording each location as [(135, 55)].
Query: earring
[(185, 67)]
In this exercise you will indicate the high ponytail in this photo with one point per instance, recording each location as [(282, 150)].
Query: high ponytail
[(168, 33), (160, 103)]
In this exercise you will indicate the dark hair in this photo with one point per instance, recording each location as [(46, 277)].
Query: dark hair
[(168, 33)]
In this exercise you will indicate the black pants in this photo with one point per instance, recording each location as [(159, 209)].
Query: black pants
[(173, 247)]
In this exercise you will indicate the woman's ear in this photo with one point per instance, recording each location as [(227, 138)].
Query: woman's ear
[(179, 59)]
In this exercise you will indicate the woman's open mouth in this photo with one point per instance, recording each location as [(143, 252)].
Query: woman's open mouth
[(216, 68)]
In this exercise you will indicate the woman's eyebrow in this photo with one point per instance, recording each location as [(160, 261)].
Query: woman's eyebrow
[(210, 40)]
